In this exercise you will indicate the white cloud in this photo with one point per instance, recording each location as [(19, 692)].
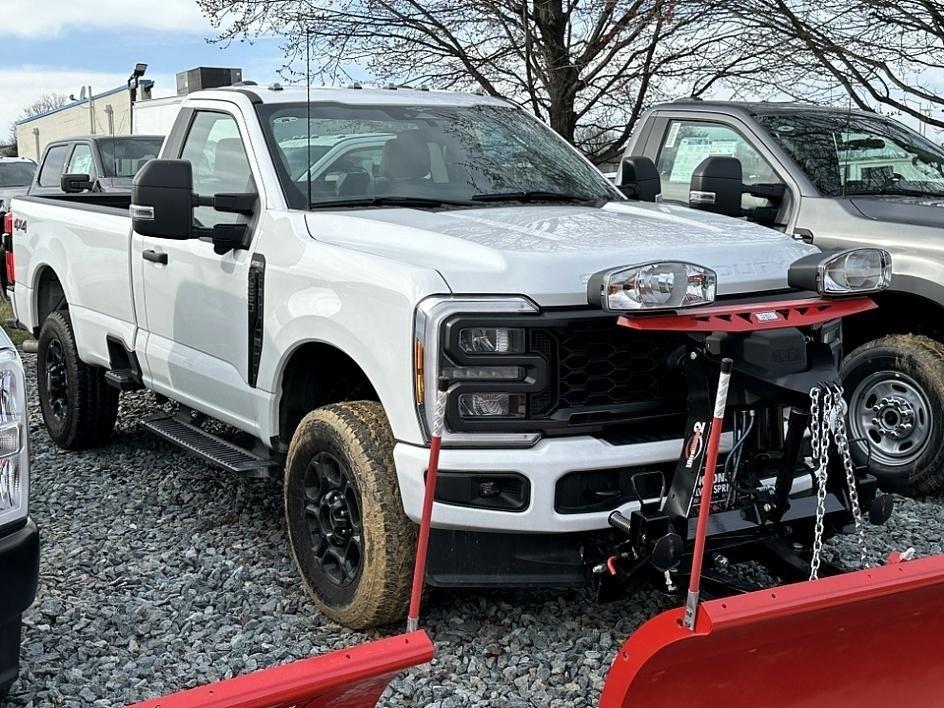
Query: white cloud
[(20, 86), (46, 18)]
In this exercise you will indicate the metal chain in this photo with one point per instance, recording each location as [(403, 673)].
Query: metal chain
[(842, 443), (820, 460)]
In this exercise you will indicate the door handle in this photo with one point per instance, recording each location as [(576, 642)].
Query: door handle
[(154, 256)]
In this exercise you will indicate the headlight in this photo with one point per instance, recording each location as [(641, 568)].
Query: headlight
[(14, 462), (652, 286), (482, 361), (854, 272)]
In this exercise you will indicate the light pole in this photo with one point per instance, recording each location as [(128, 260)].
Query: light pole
[(133, 82)]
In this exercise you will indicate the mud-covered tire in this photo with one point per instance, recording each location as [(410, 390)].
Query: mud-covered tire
[(356, 437), (898, 381), (83, 414)]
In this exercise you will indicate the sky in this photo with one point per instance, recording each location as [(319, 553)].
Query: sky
[(60, 45)]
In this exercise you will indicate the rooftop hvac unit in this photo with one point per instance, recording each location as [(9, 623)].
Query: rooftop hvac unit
[(206, 77)]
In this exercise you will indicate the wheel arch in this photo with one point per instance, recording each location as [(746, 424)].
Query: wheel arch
[(315, 373), (49, 295), (901, 311)]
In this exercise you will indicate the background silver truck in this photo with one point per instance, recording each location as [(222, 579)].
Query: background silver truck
[(837, 179)]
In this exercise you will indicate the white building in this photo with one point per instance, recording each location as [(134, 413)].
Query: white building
[(107, 113)]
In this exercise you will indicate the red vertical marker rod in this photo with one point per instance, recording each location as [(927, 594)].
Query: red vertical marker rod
[(708, 484), (422, 543)]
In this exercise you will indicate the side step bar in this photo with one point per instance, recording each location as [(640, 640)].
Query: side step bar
[(211, 448)]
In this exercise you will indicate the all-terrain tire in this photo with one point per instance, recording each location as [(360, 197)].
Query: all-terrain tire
[(82, 414), (906, 372), (355, 436)]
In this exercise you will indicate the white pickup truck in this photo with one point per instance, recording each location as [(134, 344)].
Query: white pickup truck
[(318, 310)]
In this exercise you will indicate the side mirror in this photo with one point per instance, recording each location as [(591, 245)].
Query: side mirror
[(639, 179), (162, 199), (717, 185), (228, 237), (75, 182)]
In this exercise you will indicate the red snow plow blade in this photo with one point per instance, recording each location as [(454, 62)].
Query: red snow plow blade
[(868, 639), (347, 678)]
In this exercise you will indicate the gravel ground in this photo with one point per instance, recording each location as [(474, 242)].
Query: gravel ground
[(160, 573)]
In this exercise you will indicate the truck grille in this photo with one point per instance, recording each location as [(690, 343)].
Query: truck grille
[(602, 373)]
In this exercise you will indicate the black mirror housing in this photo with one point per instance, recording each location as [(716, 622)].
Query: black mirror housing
[(236, 203), (717, 185), (162, 199), (639, 179), (75, 182)]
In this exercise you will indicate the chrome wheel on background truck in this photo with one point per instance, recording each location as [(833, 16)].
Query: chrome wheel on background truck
[(895, 390)]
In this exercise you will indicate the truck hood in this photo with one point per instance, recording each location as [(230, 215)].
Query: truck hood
[(549, 252), (918, 211)]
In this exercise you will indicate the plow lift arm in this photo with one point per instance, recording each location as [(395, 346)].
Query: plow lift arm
[(868, 638)]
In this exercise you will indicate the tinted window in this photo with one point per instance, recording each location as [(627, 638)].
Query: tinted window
[(81, 161), (16, 174), (688, 143), (216, 152), (52, 166), (430, 152), (847, 153), (123, 157)]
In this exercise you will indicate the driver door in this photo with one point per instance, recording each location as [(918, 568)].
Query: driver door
[(195, 300)]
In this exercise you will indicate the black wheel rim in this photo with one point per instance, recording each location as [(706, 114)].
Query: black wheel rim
[(333, 516), (57, 385)]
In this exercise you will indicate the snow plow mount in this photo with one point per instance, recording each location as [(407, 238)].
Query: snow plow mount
[(773, 502)]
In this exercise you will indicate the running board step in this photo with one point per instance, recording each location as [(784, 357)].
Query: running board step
[(123, 379), (211, 448)]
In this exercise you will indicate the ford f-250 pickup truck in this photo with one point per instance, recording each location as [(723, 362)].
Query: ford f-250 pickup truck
[(839, 179), (320, 310)]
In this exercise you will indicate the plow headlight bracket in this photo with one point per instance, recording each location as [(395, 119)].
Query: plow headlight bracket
[(858, 271), (660, 285)]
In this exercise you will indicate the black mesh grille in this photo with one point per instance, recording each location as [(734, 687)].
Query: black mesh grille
[(596, 364)]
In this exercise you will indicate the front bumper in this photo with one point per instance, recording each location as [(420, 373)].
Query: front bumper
[(19, 570), (542, 465)]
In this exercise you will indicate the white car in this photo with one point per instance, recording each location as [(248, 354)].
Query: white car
[(319, 317)]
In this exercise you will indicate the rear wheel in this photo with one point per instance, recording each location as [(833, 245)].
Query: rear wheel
[(79, 407), (352, 542), (895, 390)]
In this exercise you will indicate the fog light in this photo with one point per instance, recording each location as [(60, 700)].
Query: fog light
[(489, 489), (854, 272), (492, 405)]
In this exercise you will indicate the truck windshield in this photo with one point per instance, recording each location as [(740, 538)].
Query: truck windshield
[(416, 155), (16, 174), (123, 157), (849, 153)]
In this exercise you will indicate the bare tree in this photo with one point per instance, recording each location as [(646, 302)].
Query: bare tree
[(588, 68), (45, 103), (877, 52)]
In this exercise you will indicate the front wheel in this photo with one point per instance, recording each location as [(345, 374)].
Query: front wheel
[(352, 542), (895, 391)]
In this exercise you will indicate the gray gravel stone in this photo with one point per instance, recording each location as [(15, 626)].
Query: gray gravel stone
[(160, 573)]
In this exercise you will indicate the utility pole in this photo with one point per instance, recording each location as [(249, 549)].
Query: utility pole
[(91, 111)]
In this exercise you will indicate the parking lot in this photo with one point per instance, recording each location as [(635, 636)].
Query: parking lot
[(159, 572)]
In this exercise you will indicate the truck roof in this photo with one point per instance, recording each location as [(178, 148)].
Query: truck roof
[(99, 137), (757, 107), (276, 93)]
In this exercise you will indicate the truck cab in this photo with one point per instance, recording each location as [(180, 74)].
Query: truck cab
[(101, 163), (838, 179)]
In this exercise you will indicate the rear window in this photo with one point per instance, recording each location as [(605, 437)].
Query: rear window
[(123, 157), (16, 174), (52, 166)]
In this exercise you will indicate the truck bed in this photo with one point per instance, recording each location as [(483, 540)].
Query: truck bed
[(83, 241)]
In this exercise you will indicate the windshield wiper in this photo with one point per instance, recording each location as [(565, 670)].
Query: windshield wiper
[(400, 201), (536, 196), (894, 192)]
